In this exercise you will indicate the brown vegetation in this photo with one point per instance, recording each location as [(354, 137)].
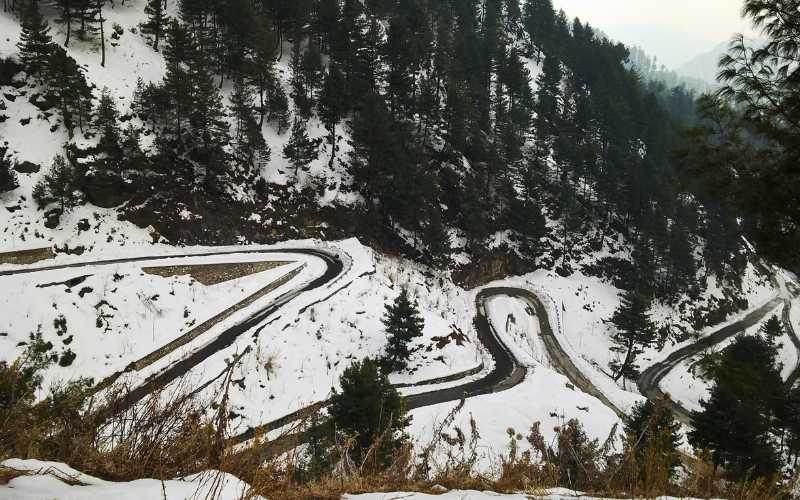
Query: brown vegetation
[(174, 433)]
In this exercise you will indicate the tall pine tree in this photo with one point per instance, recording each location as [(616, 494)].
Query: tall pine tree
[(633, 331), (300, 150), (403, 324), (35, 43)]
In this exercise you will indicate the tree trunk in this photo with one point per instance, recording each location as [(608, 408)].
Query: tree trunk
[(625, 363), (261, 110), (333, 147), (68, 20), (102, 34)]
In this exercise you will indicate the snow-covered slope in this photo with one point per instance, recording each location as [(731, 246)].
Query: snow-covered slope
[(38, 480)]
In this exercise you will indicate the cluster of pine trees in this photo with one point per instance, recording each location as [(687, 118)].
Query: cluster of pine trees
[(449, 129), (750, 423)]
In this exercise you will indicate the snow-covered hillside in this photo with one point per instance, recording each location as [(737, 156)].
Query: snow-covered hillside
[(112, 301)]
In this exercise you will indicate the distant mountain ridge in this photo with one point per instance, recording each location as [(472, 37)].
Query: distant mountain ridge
[(704, 66)]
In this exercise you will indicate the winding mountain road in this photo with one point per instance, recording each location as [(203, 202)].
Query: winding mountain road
[(334, 269), (507, 371), (650, 380)]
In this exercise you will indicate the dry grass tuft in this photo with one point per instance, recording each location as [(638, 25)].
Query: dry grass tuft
[(174, 433)]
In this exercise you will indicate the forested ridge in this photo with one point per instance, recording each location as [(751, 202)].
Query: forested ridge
[(457, 123)]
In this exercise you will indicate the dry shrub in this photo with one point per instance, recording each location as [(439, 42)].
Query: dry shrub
[(173, 433)]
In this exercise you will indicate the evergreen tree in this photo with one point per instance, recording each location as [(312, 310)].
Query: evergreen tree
[(547, 108), (156, 20), (300, 86), (311, 69), (403, 324), (737, 421), (67, 85), (306, 76), (683, 268), (208, 135), (58, 185), (791, 423), (633, 331), (653, 436), (278, 107), (772, 330), (8, 178), (97, 14), (527, 220), (320, 455), (760, 92), (437, 238), (106, 122), (249, 145), (332, 105), (68, 10), (539, 18), (300, 150), (35, 43), (370, 409), (261, 67)]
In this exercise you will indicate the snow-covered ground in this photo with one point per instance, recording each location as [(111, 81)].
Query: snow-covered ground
[(119, 313), (307, 350), (53, 480)]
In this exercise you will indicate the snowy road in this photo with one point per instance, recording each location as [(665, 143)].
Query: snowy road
[(334, 268), (651, 378), (506, 372)]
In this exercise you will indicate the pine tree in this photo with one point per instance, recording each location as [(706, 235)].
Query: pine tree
[(249, 146), (300, 150), (320, 453), (547, 108), (278, 107), (311, 68), (737, 421), (653, 436), (67, 85), (772, 330), (100, 20), (403, 324), (8, 178), (260, 68), (177, 82), (299, 84), (35, 43), (209, 132), (633, 331), (332, 105), (106, 122), (58, 186), (67, 12), (436, 238), (539, 18), (791, 423), (369, 408), (156, 19)]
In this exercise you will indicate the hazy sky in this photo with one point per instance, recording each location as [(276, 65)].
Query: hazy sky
[(673, 30)]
